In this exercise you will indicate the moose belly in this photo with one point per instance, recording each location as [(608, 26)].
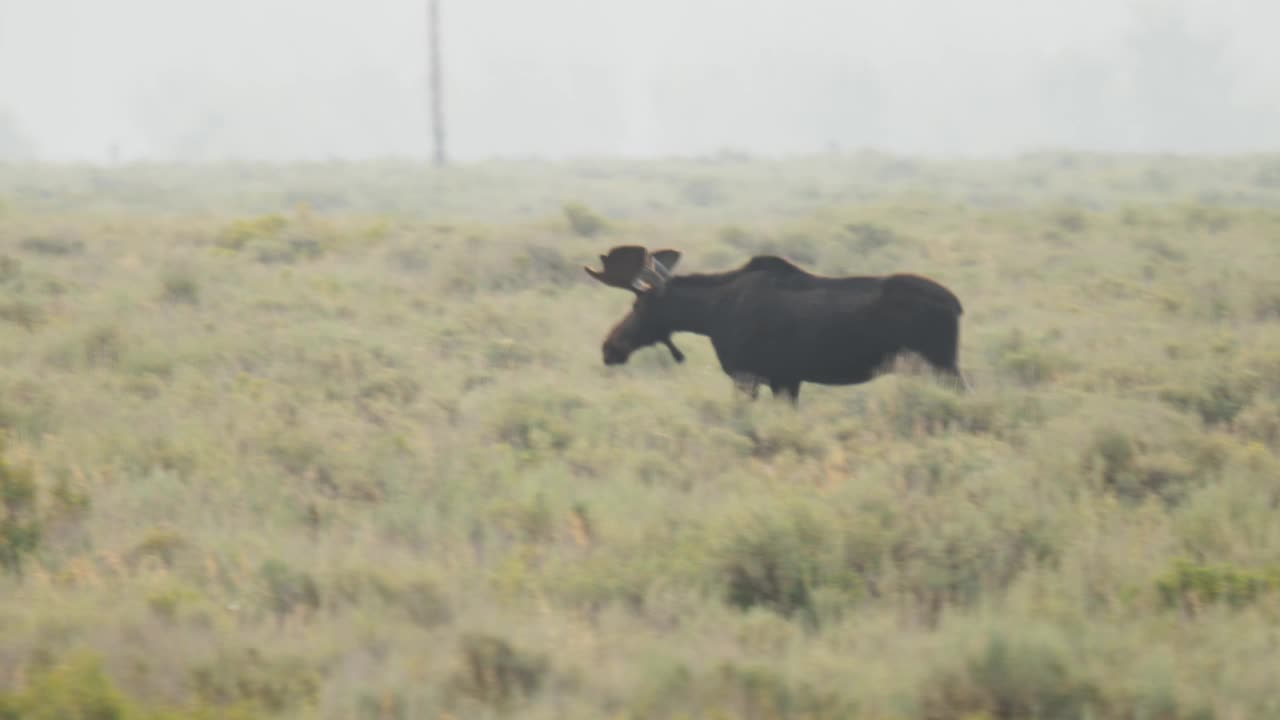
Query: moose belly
[(844, 368), (848, 356), (827, 356)]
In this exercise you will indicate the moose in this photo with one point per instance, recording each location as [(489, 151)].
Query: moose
[(770, 321)]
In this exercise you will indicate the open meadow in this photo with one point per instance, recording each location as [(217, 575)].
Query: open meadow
[(336, 441)]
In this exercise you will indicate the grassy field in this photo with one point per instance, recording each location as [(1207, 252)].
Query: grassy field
[(335, 441)]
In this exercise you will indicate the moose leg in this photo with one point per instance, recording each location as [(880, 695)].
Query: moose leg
[(748, 384), (937, 340), (675, 351), (953, 377), (786, 387)]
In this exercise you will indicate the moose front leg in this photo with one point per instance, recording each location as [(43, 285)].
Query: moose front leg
[(675, 351)]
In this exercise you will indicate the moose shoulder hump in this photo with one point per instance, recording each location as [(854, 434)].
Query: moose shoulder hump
[(773, 264)]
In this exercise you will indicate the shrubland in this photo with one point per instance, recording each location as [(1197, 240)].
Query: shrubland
[(335, 441)]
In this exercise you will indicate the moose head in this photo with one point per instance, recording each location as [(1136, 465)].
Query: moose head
[(647, 274)]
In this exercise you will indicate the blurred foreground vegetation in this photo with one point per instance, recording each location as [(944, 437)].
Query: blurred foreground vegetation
[(335, 441)]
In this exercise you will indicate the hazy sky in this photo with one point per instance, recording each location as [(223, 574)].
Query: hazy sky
[(285, 79)]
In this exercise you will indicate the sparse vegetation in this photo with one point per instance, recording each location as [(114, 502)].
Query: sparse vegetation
[(298, 444), (584, 221), (20, 526)]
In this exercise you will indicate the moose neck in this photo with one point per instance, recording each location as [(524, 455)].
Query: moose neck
[(690, 303)]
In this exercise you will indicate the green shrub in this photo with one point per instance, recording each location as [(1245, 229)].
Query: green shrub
[(249, 679), (771, 568), (27, 407), (172, 601), (543, 265), (773, 435), (97, 345), (1191, 586), (529, 520), (298, 452), (734, 690), (180, 286), (868, 237), (1162, 249), (1012, 677), (78, 688), (65, 513), (496, 673), (939, 465), (583, 221), (814, 562), (1029, 362), (958, 557), (74, 690), (1134, 465), (162, 544), (1260, 421), (287, 589), (20, 526), (1216, 399), (508, 354), (291, 249), (1266, 304), (420, 599), (737, 236), (277, 239), (411, 257), (23, 313), (1206, 217), (10, 268), (926, 408), (386, 704), (398, 388), (103, 346), (537, 421), (240, 233), (627, 574), (53, 245), (776, 557), (424, 603)]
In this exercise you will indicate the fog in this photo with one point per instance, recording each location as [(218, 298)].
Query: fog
[(279, 80)]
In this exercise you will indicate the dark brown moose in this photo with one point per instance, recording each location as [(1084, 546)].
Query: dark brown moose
[(771, 321)]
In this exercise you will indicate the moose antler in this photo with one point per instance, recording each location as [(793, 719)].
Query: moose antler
[(633, 267), (621, 266)]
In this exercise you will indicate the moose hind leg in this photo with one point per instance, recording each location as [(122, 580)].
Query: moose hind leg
[(955, 379), (788, 388), (938, 341), (747, 384)]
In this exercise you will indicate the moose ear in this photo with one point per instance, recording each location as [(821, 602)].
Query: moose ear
[(668, 258)]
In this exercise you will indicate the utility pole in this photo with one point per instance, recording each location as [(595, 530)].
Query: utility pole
[(434, 81)]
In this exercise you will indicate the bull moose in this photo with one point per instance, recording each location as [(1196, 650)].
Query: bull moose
[(771, 321)]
